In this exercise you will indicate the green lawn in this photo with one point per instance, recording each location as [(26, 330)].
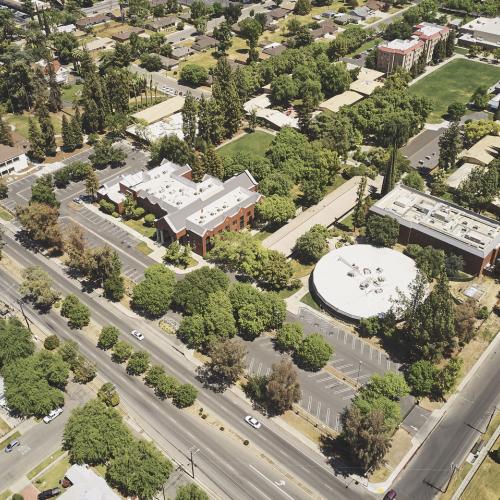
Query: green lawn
[(52, 477), (70, 92), (461, 50), (4, 215), (486, 481), (44, 463), (308, 299), (4, 427), (257, 142), (347, 222), (5, 495), (138, 225), (455, 81), (370, 44), (143, 248)]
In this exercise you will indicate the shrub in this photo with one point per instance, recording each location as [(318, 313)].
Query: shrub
[(51, 342), (108, 337), (149, 219), (107, 207), (314, 352), (138, 363), (78, 314), (114, 288), (185, 396), (139, 213), (121, 351), (289, 337)]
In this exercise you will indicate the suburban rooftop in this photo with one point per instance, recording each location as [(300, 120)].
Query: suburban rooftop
[(441, 219)]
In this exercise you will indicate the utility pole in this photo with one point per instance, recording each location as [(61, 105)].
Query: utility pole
[(359, 369), (193, 451), (20, 302)]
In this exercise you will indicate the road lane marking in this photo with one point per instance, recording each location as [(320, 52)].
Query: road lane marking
[(250, 366), (271, 481), (343, 366)]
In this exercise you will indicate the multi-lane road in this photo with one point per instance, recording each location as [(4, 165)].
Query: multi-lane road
[(235, 471)]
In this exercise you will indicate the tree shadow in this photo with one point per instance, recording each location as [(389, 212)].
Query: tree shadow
[(337, 454)]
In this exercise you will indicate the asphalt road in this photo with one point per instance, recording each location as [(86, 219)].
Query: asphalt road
[(40, 440), (218, 459), (428, 473)]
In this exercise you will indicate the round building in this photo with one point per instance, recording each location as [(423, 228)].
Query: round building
[(360, 281)]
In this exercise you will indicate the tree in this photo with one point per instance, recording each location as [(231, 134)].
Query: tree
[(51, 342), (382, 230), (108, 337), (69, 351), (450, 144), (480, 188), (414, 180), (67, 135), (40, 222), (177, 255), (447, 378), (192, 331), (102, 264), (283, 388), (314, 352), (185, 396), (218, 318), (4, 189), (283, 90), (108, 395), (232, 13), (189, 119), (276, 210), (456, 110), (76, 128), (480, 97), (141, 470), (289, 337), (359, 213), (114, 288), (302, 7), (15, 341), (36, 150), (152, 296), (171, 148), (121, 351), (46, 129), (84, 371), (190, 491), (275, 271), (138, 363), (465, 320), (191, 293), (106, 154), (421, 377), (37, 287), (226, 364), (223, 35), (166, 386), (476, 129), (210, 121), (193, 74), (366, 436), (250, 30), (212, 163), (225, 93), (42, 191), (454, 265), (94, 434), (391, 385), (78, 314), (313, 244), (151, 62), (92, 184), (5, 133), (429, 260)]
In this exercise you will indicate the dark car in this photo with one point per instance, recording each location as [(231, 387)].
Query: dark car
[(48, 493), (390, 495)]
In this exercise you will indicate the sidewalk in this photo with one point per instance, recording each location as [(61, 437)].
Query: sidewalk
[(419, 439)]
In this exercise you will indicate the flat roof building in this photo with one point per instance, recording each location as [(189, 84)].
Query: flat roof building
[(483, 152), (337, 101), (187, 211), (483, 31), (161, 110), (429, 220)]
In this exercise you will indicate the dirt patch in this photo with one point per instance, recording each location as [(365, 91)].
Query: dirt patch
[(400, 445), (303, 426)]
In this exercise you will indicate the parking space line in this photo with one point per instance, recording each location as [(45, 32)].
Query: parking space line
[(259, 369), (379, 357), (335, 360), (336, 384), (250, 366), (324, 379), (318, 409), (350, 372), (268, 371), (315, 374), (348, 397), (345, 337), (337, 421), (343, 366), (353, 342), (340, 391), (327, 418), (364, 376), (309, 404)]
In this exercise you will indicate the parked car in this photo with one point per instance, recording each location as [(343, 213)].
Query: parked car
[(52, 415), (138, 335), (49, 493), (13, 444), (390, 495), (253, 422)]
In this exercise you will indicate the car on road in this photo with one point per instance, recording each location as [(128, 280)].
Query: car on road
[(138, 335), (77, 200), (13, 444), (52, 415), (253, 422), (49, 493), (390, 495)]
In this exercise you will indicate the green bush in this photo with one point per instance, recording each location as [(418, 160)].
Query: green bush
[(51, 342), (139, 213), (78, 314), (149, 219), (108, 337), (185, 396), (116, 215), (107, 207)]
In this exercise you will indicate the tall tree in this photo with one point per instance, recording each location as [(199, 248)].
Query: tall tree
[(76, 128), (226, 95), (67, 135), (37, 147), (189, 119), (450, 144), (212, 163), (223, 35), (359, 214), (55, 99), (91, 183), (210, 121), (47, 129), (283, 388), (37, 287), (5, 133)]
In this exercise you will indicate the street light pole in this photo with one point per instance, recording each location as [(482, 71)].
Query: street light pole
[(193, 450), (20, 302)]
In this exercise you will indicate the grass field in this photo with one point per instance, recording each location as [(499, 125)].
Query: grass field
[(455, 81), (4, 215), (70, 92), (52, 477), (4, 427), (44, 463), (308, 299), (138, 225), (256, 142)]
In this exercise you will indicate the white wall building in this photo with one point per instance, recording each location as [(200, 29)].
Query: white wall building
[(12, 159)]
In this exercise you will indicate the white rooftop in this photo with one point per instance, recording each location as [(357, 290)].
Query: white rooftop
[(171, 125), (460, 174), (360, 281), (87, 485), (440, 219), (402, 45), (429, 29), (277, 118), (260, 102), (485, 25)]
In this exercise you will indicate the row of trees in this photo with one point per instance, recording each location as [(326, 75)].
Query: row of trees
[(138, 363), (95, 434)]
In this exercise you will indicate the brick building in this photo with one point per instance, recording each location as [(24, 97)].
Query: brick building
[(406, 53), (187, 211), (428, 220)]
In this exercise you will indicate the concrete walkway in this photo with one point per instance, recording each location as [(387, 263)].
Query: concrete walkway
[(330, 209)]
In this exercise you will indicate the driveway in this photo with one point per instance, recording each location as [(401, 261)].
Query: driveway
[(329, 210)]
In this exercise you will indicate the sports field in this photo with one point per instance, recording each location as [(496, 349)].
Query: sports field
[(454, 82)]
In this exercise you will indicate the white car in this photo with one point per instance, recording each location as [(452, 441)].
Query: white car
[(138, 335), (52, 415), (253, 422)]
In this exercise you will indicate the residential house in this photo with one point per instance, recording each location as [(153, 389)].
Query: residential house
[(61, 72), (12, 159), (347, 19), (180, 52), (88, 22), (326, 29), (162, 23), (168, 63), (272, 49), (279, 13), (100, 43), (187, 211), (363, 13), (204, 42), (82, 483), (68, 28), (377, 5), (124, 36)]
